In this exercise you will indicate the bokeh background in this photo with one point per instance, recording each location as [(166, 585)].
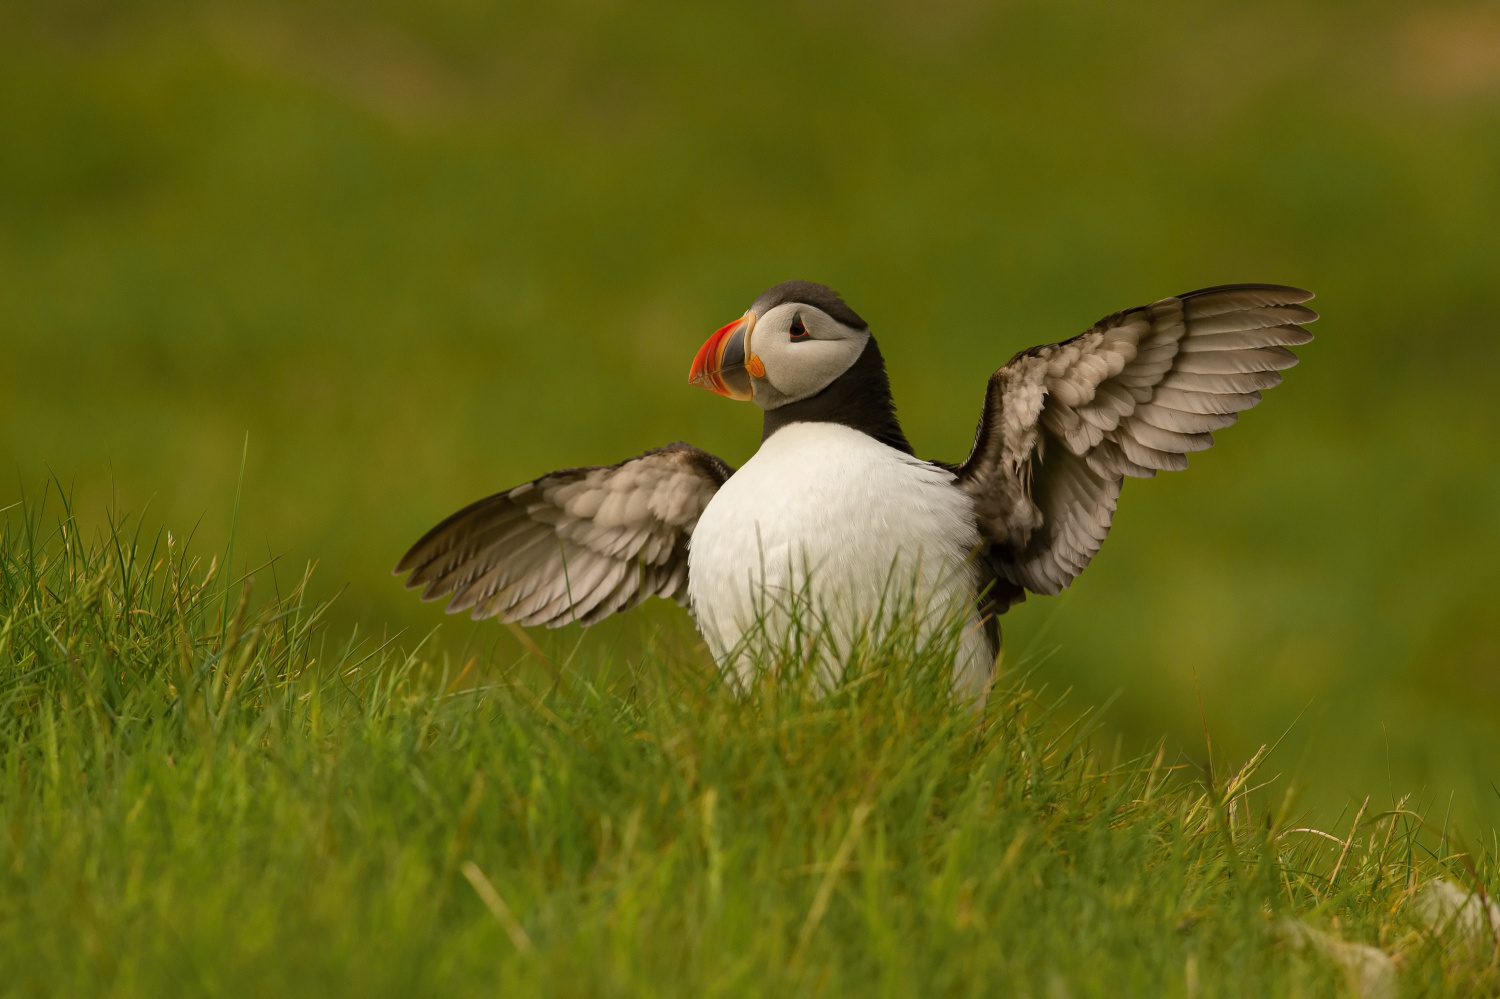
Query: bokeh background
[(422, 251)]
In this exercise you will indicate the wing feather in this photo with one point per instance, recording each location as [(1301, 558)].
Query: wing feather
[(1221, 384), (1228, 362), (1064, 424), (577, 544), (1265, 336), (1166, 440)]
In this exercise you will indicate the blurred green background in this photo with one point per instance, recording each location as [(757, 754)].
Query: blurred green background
[(423, 251)]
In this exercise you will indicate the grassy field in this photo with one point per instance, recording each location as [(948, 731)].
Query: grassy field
[(209, 793), (416, 253), (420, 252)]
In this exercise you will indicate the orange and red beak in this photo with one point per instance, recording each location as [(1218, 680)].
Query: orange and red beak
[(721, 362)]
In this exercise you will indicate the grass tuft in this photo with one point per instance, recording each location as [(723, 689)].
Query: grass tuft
[(205, 791)]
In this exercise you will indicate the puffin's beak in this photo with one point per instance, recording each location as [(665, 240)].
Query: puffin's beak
[(720, 364)]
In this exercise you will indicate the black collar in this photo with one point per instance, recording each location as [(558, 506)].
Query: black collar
[(859, 398)]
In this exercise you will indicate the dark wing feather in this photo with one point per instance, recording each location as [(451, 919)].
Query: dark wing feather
[(1064, 424), (577, 544)]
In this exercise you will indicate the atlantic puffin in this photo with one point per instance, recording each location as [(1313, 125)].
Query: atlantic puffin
[(836, 502)]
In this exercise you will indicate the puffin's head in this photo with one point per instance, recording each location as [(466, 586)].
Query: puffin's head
[(794, 342)]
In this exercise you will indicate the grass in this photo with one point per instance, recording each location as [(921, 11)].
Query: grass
[(205, 791)]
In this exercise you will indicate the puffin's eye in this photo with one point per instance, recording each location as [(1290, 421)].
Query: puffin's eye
[(799, 332)]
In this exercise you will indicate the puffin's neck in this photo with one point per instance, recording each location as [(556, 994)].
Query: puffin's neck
[(859, 398)]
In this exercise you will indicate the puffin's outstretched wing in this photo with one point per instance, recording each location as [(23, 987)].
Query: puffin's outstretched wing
[(577, 544), (1063, 424)]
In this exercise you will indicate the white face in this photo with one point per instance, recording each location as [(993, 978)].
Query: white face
[(803, 350)]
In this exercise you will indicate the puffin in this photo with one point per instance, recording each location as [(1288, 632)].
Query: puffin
[(835, 516)]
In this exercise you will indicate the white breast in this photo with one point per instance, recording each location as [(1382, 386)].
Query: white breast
[(829, 513)]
